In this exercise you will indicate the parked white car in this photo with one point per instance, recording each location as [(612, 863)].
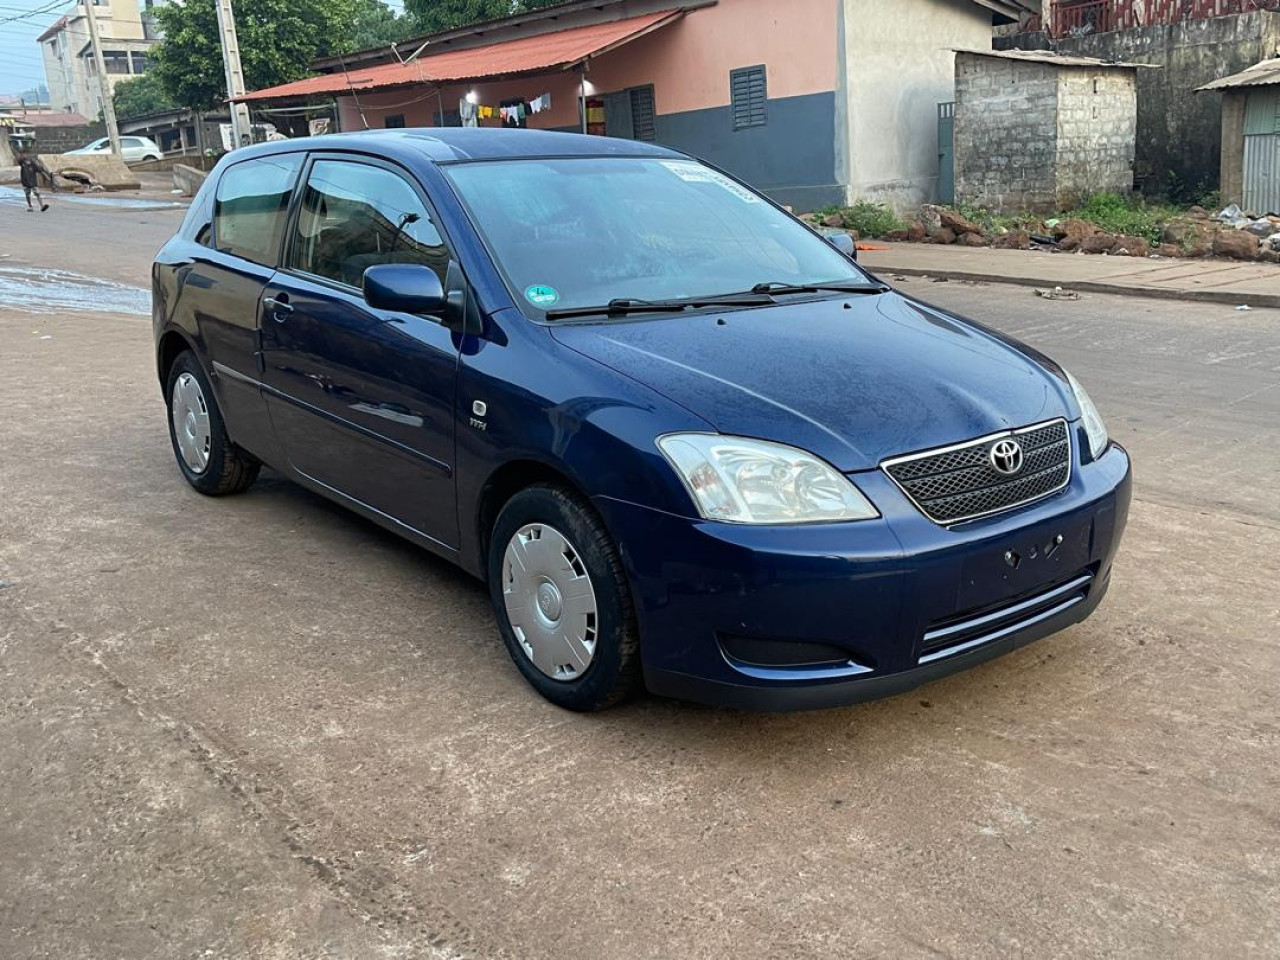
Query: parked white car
[(133, 148)]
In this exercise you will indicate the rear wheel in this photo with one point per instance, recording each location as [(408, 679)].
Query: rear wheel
[(206, 456), (561, 600)]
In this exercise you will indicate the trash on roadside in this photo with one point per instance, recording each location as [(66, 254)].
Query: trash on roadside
[(1244, 306), (47, 336), (871, 246), (1052, 222), (1057, 293), (1044, 239), (899, 277)]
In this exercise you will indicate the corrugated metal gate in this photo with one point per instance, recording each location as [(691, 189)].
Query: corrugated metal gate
[(1262, 173), (1262, 151), (947, 153)]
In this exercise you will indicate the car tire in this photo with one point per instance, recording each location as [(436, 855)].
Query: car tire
[(542, 607), (208, 459)]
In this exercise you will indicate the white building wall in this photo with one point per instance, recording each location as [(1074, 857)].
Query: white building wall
[(71, 87), (899, 66)]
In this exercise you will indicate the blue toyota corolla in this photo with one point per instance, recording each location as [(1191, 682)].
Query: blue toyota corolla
[(687, 441)]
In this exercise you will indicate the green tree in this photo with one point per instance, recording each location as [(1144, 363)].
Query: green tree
[(436, 15), (140, 96), (278, 41), (376, 25)]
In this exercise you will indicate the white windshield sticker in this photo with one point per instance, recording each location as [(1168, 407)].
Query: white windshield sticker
[(691, 172)]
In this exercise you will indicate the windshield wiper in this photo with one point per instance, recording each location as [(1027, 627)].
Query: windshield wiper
[(774, 287), (624, 307)]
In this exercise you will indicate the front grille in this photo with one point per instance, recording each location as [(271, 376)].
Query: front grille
[(945, 638), (957, 483)]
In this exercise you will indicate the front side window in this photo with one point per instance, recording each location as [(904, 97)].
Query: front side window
[(579, 232), (355, 216), (252, 204)]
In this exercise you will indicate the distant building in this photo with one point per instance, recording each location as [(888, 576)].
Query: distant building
[(69, 67), (815, 102), (1251, 137), (51, 132), (1192, 41), (1041, 132)]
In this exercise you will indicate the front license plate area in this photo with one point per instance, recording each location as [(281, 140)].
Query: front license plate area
[(1024, 563)]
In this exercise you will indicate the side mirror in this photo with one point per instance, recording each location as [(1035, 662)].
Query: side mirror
[(844, 243), (405, 288)]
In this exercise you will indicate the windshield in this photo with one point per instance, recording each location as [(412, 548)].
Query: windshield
[(581, 232)]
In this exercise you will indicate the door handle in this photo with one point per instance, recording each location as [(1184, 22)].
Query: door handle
[(279, 307)]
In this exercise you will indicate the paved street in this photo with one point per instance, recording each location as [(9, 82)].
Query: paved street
[(262, 727)]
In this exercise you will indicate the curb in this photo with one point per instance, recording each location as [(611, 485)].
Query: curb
[(1264, 300)]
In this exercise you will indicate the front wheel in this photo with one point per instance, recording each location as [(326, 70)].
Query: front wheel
[(206, 456), (561, 600)]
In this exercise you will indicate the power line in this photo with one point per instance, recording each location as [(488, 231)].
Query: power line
[(40, 12)]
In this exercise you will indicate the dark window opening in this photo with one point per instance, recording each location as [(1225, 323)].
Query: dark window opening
[(394, 122)]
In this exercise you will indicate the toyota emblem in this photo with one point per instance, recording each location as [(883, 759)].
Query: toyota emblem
[(1006, 457)]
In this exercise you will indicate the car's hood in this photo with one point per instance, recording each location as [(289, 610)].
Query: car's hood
[(854, 380)]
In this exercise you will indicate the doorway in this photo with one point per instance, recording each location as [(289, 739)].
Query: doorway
[(628, 114)]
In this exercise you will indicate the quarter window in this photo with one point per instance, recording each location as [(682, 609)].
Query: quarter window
[(749, 94), (251, 206), (355, 216)]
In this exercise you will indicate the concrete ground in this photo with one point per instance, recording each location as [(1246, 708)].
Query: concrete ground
[(1208, 280), (261, 727)]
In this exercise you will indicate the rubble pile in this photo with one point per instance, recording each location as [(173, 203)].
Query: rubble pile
[(1233, 233)]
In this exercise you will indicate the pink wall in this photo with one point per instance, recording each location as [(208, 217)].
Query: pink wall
[(688, 63)]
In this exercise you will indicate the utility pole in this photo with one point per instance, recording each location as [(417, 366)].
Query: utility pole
[(235, 74), (104, 85)]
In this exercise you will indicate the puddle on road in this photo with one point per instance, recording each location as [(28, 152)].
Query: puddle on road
[(42, 290), (13, 196)]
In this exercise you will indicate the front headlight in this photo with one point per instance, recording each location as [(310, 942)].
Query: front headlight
[(753, 481), (1094, 428)]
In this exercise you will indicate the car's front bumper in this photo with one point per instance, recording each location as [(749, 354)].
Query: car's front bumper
[(889, 595)]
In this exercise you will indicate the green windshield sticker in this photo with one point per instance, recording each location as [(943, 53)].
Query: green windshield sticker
[(542, 296)]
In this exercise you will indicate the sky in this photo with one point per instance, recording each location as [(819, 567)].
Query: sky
[(21, 67)]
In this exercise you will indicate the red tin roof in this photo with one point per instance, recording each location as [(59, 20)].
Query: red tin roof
[(543, 53)]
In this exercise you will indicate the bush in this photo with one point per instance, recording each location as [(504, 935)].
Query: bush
[(868, 219), (1132, 216)]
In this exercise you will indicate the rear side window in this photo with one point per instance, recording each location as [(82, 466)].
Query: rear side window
[(252, 205), (354, 216)]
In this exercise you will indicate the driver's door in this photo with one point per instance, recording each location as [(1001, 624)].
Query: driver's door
[(362, 400)]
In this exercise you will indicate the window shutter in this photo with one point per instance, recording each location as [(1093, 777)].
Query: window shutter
[(748, 95), (642, 111)]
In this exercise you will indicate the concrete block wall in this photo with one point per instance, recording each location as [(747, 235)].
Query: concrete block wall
[(1097, 127), (1179, 130), (1039, 137), (1005, 133), (62, 139)]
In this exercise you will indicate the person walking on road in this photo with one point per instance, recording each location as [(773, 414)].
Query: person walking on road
[(30, 166)]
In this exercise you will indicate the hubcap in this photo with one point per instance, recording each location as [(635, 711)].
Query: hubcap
[(550, 601), (191, 423)]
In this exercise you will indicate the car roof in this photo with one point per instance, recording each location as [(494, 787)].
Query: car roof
[(456, 144)]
